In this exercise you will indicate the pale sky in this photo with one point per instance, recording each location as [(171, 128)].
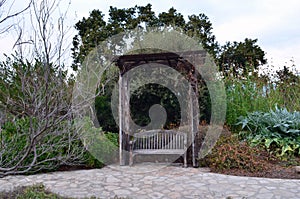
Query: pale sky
[(275, 23)]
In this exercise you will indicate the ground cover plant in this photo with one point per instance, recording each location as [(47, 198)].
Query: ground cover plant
[(36, 191), (231, 153), (277, 130), (233, 156)]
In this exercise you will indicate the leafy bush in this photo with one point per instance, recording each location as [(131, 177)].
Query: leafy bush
[(48, 152), (104, 113), (103, 146), (102, 152), (230, 153), (253, 93), (36, 118), (51, 150), (278, 131), (244, 96)]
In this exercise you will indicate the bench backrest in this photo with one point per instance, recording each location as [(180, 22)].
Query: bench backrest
[(160, 139)]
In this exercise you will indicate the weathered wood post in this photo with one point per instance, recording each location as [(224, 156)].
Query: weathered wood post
[(126, 119), (193, 114), (122, 160), (195, 124), (124, 114)]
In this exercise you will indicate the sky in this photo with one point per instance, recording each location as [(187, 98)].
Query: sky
[(275, 23)]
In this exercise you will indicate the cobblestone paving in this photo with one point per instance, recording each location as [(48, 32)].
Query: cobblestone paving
[(153, 181)]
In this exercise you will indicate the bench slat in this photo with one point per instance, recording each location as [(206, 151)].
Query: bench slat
[(159, 142), (162, 152)]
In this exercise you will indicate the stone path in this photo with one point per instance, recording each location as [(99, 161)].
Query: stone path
[(156, 181)]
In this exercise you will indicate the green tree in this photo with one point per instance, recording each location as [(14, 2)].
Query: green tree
[(241, 58), (288, 84), (237, 58), (94, 29), (285, 75), (200, 27)]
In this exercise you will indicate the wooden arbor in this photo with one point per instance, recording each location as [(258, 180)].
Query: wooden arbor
[(178, 61)]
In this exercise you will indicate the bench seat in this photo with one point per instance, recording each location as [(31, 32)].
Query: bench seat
[(159, 142)]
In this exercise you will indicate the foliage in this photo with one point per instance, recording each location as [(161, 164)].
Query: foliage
[(288, 88), (104, 113), (103, 100), (113, 138), (237, 58), (36, 121), (230, 153), (152, 94), (245, 95), (94, 29), (253, 93), (241, 58), (285, 75), (233, 57), (36, 191), (277, 130), (48, 153), (103, 146), (141, 101)]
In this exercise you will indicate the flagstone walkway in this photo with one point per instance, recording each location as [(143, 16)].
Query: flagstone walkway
[(156, 181)]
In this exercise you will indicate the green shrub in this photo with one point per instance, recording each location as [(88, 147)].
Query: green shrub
[(10, 139), (244, 96), (102, 146), (230, 153), (252, 93), (92, 158), (278, 131), (46, 152)]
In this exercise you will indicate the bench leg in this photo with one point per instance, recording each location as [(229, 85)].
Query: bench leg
[(184, 160), (130, 153), (130, 159)]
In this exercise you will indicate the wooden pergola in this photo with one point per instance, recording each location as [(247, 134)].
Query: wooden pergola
[(181, 62)]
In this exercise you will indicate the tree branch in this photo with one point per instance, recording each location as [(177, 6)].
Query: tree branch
[(15, 14)]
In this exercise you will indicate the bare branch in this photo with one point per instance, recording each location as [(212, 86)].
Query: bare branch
[(15, 14), (37, 96)]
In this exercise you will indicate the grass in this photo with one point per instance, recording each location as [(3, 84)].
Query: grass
[(36, 191)]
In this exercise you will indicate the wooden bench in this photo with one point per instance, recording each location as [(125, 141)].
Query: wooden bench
[(159, 142)]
